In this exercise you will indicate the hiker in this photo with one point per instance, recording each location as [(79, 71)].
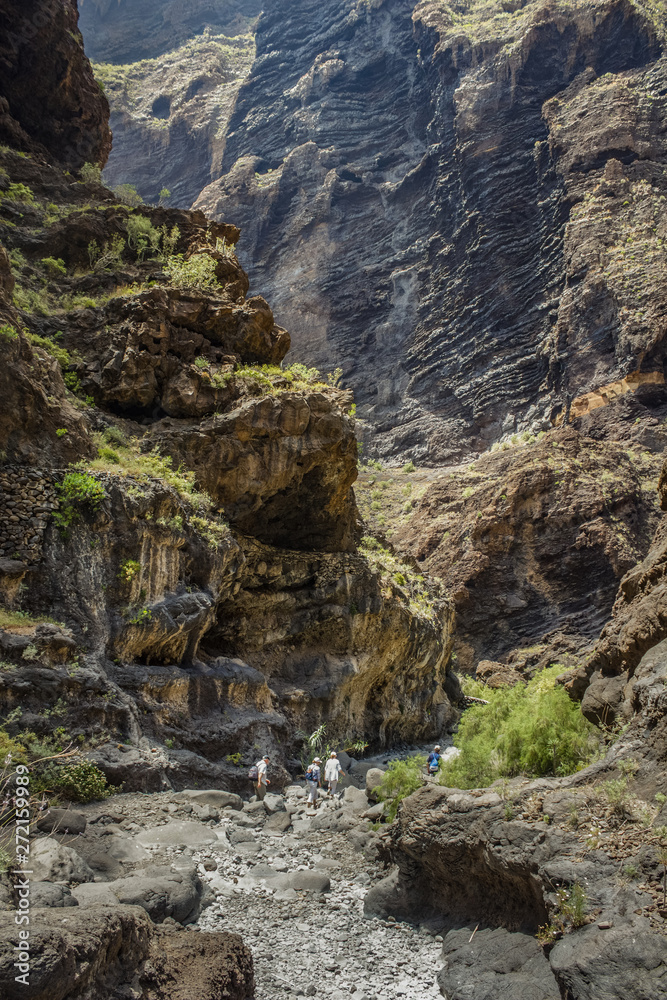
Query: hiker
[(433, 762), (258, 776), (313, 775), (332, 771)]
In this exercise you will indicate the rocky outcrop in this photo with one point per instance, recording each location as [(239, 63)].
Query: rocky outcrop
[(532, 541), (50, 103), (490, 872), (624, 673), (102, 950), (199, 625), (171, 73)]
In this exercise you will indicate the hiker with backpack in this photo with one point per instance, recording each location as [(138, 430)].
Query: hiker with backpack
[(313, 779), (433, 762), (257, 775), (332, 772)]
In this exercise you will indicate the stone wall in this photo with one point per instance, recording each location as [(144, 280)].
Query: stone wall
[(27, 501)]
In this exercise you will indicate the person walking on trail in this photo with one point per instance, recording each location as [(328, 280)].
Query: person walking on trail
[(433, 762), (313, 778), (262, 780), (332, 772)]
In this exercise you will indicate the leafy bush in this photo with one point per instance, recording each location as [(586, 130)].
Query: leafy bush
[(106, 257), (8, 332), (90, 173), (61, 354), (531, 729), (54, 265), (109, 455), (142, 235), (402, 778), (80, 782), (197, 271), (129, 570), (127, 194), (114, 435), (144, 465), (19, 192), (76, 491)]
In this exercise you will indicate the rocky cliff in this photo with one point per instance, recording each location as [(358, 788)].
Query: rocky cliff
[(172, 73), (198, 494), (467, 185)]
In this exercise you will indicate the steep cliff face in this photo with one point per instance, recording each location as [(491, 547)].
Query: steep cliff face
[(181, 504), (50, 101), (172, 72), (425, 181)]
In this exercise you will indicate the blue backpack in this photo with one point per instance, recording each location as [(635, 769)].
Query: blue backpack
[(433, 762), (313, 773)]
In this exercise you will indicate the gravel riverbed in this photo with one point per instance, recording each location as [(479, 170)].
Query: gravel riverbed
[(307, 942)]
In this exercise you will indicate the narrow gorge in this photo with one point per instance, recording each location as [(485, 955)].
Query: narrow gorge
[(333, 422)]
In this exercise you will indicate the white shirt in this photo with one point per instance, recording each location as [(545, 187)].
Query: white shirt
[(261, 772), (332, 769)]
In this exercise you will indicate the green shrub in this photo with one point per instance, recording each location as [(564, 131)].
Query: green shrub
[(8, 332), (81, 782), (197, 271), (108, 256), (54, 265), (77, 490), (127, 194), (61, 354), (114, 435), (129, 569), (61, 432), (90, 173), (408, 467), (201, 362), (19, 192), (109, 455), (142, 236), (533, 729), (402, 778)]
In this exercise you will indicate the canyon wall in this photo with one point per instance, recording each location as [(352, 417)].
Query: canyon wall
[(446, 198), (180, 566)]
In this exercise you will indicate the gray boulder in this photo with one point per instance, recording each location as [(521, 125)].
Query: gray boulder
[(62, 821), (240, 836), (216, 798), (309, 881), (162, 892), (626, 960), (48, 894), (495, 965), (374, 777), (355, 799), (274, 803), (52, 862), (182, 834), (279, 822)]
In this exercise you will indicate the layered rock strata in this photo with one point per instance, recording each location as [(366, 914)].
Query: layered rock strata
[(388, 151)]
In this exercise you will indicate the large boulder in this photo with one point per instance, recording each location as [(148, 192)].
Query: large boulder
[(181, 834), (495, 965), (62, 821), (162, 892), (214, 797), (53, 862)]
